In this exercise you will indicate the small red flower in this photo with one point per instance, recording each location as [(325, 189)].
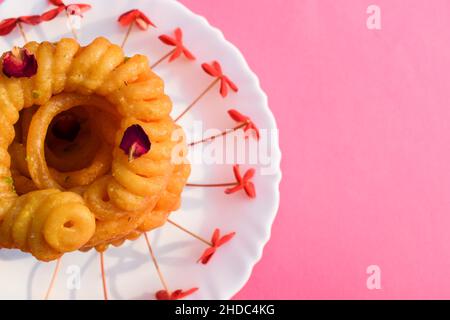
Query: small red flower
[(8, 25), (142, 21), (243, 182), (176, 295), (239, 117), (216, 242), (178, 43), (72, 9), (215, 70), (135, 142), (19, 63)]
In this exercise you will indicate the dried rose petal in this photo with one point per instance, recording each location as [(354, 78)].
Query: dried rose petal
[(135, 142), (19, 63)]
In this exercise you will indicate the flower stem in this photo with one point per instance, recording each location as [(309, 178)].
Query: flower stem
[(190, 233), (102, 268), (127, 34), (52, 281), (71, 26), (162, 58), (222, 134), (155, 262), (198, 99), (213, 185), (22, 32)]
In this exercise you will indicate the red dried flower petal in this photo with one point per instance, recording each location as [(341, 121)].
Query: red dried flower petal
[(162, 295), (51, 14), (232, 85), (167, 40), (226, 238), (176, 54), (137, 16), (237, 116), (207, 255), (180, 294), (57, 2), (234, 189), (176, 295), (126, 18), (33, 20), (210, 70), (256, 130), (250, 189), (19, 63), (216, 65), (215, 237), (224, 84), (7, 25), (135, 142), (237, 173), (223, 88), (178, 35), (249, 174), (188, 54)]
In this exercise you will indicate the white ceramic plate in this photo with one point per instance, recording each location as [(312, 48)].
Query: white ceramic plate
[(130, 272)]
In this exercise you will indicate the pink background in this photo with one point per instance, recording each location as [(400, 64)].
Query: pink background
[(364, 122)]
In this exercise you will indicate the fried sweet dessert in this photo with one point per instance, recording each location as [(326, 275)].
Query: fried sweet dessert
[(74, 172)]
